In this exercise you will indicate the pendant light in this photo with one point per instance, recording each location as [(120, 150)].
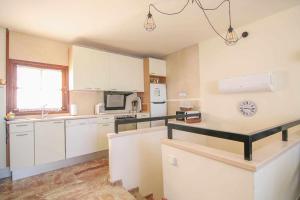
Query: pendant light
[(231, 37), (149, 23)]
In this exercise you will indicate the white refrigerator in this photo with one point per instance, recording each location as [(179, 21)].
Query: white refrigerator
[(158, 98)]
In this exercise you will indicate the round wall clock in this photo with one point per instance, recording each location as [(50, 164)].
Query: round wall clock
[(248, 108)]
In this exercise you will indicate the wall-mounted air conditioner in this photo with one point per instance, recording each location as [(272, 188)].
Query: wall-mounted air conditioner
[(251, 83)]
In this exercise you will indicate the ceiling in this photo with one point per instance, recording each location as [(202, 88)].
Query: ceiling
[(117, 25)]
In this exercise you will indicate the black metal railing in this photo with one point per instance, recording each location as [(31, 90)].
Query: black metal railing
[(150, 119), (247, 139)]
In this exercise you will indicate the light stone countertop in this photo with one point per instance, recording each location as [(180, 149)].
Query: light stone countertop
[(38, 118)]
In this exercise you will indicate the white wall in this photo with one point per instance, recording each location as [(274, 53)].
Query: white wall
[(280, 179), (183, 76), (37, 49), (197, 177), (273, 45)]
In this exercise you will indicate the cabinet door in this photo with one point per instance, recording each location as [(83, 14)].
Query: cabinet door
[(103, 130), (89, 69), (157, 67), (76, 138), (21, 149), (49, 141), (126, 73)]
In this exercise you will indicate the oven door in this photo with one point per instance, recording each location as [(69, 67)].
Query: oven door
[(127, 127)]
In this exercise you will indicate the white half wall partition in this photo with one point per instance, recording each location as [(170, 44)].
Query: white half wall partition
[(135, 158), (193, 172)]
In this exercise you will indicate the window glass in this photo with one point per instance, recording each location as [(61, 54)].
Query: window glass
[(38, 87)]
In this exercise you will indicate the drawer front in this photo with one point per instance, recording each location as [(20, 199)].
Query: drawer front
[(21, 127), (77, 122), (105, 119)]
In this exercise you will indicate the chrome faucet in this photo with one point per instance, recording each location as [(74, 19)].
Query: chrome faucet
[(44, 113)]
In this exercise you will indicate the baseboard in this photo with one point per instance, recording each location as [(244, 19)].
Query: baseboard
[(5, 172), (39, 169), (116, 183)]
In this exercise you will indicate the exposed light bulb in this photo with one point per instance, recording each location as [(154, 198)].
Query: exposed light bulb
[(231, 37), (149, 23)]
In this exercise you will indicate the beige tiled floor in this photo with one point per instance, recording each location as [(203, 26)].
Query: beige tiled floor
[(84, 181)]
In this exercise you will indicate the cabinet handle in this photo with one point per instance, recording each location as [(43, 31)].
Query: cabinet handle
[(58, 122), (113, 89), (21, 135), (106, 118), (105, 125), (21, 125)]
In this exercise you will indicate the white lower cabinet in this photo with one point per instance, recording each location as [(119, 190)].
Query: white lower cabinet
[(21, 138), (103, 129), (77, 138), (49, 141), (85, 136)]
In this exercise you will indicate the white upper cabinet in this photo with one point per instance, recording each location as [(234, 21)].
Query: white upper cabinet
[(92, 69), (126, 73), (88, 69), (157, 67)]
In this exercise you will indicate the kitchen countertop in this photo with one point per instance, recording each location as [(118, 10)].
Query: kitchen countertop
[(64, 117)]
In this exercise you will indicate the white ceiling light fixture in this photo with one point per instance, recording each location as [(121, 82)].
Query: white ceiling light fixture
[(231, 37)]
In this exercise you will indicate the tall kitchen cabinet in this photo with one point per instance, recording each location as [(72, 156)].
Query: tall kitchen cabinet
[(92, 69), (49, 143)]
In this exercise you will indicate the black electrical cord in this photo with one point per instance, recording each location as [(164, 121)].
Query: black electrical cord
[(203, 10), (208, 20), (165, 13)]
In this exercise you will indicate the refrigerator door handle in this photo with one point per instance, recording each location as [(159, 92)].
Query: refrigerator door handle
[(159, 102)]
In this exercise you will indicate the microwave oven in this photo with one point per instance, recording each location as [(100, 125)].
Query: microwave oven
[(115, 100)]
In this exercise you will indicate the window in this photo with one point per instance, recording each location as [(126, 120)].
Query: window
[(32, 86)]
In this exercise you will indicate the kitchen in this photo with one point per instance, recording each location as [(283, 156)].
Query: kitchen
[(67, 76), (110, 95)]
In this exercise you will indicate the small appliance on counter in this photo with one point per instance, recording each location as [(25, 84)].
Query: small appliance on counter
[(136, 105), (99, 108), (191, 119), (73, 109)]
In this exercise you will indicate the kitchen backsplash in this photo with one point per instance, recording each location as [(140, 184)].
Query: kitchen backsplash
[(86, 101)]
